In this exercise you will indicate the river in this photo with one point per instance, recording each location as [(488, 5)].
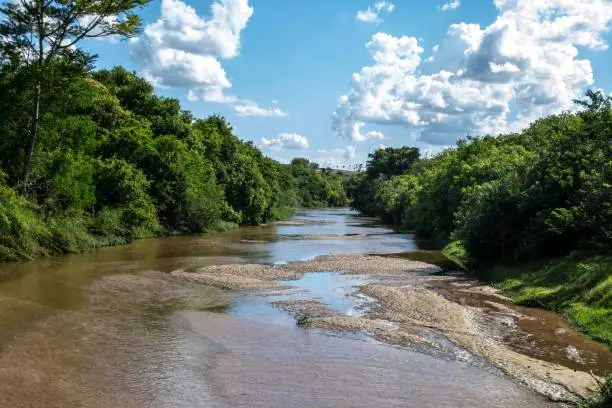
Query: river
[(114, 328)]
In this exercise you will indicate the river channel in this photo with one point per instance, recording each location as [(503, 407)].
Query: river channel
[(117, 328)]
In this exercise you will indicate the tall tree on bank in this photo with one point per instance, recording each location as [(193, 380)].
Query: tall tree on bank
[(35, 34)]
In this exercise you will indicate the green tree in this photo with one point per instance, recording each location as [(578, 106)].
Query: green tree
[(116, 162), (391, 161), (546, 191), (39, 32)]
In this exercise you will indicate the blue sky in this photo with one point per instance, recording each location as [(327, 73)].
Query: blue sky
[(283, 72)]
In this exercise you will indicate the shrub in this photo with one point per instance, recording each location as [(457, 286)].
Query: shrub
[(123, 187), (21, 230)]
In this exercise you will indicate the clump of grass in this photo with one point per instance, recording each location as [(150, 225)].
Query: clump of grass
[(221, 226), (22, 232), (604, 400), (304, 319), (457, 253), (596, 322)]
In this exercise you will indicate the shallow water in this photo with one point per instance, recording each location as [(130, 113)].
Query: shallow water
[(113, 329), (544, 335), (332, 289), (289, 367)]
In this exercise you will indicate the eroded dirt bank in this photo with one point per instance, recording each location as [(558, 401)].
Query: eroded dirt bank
[(415, 306)]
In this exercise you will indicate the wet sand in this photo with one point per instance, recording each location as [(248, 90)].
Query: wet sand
[(410, 305), (238, 277)]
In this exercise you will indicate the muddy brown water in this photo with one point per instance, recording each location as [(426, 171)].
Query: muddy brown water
[(112, 329), (544, 335)]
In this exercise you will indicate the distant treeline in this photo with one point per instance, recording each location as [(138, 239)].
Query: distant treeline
[(114, 162), (543, 192)]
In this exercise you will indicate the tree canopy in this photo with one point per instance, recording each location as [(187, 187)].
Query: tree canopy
[(545, 191), (115, 162), (40, 38)]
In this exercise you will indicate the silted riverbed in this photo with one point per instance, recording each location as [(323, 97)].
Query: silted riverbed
[(209, 321)]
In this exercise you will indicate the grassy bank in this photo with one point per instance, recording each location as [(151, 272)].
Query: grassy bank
[(577, 286), (25, 234)]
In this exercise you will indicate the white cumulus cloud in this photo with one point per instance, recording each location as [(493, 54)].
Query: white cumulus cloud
[(374, 12), (354, 132), (375, 135), (285, 141), (250, 108), (350, 153), (337, 158), (479, 80), (211, 94), (182, 49), (451, 5)]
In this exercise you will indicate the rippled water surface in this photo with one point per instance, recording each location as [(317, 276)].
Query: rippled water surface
[(112, 329)]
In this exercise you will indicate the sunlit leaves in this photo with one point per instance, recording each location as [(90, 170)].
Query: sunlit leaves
[(544, 191)]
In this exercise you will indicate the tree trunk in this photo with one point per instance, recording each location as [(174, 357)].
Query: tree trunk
[(29, 153), (33, 133)]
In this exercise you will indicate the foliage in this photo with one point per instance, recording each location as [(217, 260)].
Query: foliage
[(25, 234), (509, 200), (543, 192), (384, 190), (115, 162), (578, 286), (318, 187), (41, 38), (21, 232), (391, 161), (122, 186)]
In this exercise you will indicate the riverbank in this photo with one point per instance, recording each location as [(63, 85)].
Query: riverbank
[(27, 236), (578, 287), (417, 307)]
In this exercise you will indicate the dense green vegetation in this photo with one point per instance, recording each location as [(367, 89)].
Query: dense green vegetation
[(319, 187), (531, 211), (96, 158)]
